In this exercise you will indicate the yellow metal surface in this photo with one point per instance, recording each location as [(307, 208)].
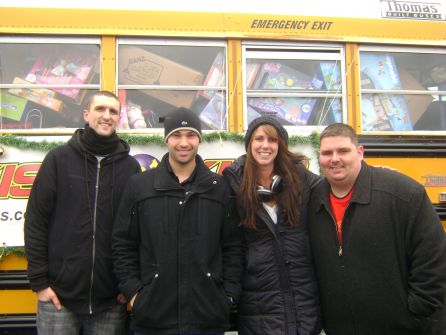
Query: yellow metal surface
[(17, 302), (235, 85), (108, 63), (353, 85), (420, 169), (13, 262), (221, 25)]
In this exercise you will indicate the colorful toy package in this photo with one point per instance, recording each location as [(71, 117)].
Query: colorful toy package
[(381, 111), (295, 111)]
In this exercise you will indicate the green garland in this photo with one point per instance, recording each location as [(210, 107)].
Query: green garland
[(21, 143), (5, 251)]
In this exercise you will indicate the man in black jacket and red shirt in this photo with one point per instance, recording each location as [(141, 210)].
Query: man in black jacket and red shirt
[(379, 248), (177, 250), (68, 226)]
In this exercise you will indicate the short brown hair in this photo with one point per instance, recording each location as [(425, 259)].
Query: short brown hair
[(339, 129), (101, 93)]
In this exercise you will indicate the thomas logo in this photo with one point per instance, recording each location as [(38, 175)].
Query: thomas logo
[(413, 10)]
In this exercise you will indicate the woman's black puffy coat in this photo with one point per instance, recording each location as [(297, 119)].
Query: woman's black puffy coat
[(279, 289)]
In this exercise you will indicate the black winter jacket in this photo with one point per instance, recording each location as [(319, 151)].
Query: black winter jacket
[(181, 251), (68, 225), (279, 289), (391, 275)]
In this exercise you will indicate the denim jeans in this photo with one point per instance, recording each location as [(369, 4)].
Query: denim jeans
[(50, 321), (177, 334)]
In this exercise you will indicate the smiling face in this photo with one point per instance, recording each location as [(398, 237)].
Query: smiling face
[(264, 146), (103, 114), (340, 160), (183, 147)]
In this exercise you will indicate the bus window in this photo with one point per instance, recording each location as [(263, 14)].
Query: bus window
[(156, 76), (44, 82), (301, 86), (403, 89)]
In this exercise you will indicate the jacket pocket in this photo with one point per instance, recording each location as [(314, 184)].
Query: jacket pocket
[(144, 294), (74, 278), (210, 304), (154, 304)]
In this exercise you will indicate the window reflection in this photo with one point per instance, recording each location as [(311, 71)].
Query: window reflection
[(299, 88), (399, 91), (45, 85), (154, 79)]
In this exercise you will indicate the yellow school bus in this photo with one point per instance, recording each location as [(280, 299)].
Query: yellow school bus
[(379, 66)]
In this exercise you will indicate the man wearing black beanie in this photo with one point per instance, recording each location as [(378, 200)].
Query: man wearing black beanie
[(178, 255), (68, 226)]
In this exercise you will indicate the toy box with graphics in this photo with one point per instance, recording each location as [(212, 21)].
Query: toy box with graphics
[(64, 68), (275, 75), (214, 113), (291, 111), (381, 111)]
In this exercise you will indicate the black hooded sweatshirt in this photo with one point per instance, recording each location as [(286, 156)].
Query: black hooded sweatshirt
[(69, 220)]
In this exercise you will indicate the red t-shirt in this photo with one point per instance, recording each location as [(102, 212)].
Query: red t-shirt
[(338, 205)]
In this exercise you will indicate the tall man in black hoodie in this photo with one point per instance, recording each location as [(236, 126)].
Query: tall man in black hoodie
[(68, 226)]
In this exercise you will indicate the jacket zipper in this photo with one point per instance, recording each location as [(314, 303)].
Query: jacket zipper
[(183, 202), (340, 251), (336, 232), (94, 234)]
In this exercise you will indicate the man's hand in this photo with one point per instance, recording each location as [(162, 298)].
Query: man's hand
[(121, 298), (48, 294)]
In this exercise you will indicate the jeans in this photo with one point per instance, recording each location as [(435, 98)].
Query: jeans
[(177, 334), (50, 321)]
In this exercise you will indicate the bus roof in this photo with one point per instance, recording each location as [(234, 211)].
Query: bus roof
[(321, 8)]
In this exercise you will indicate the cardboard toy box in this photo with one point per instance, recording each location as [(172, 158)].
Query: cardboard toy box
[(42, 96), (137, 66), (63, 69), (382, 112), (12, 107), (216, 76), (275, 75), (295, 111), (417, 104), (331, 78), (214, 113), (20, 113)]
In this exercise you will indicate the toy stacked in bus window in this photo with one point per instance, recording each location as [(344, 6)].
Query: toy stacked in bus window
[(277, 76), (214, 113), (274, 75), (252, 69), (63, 69), (382, 112), (294, 111), (331, 78), (216, 75)]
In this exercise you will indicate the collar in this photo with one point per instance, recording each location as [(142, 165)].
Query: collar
[(203, 178), (362, 188), (187, 184)]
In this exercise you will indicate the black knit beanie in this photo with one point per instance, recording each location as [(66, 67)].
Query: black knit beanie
[(181, 119), (272, 121)]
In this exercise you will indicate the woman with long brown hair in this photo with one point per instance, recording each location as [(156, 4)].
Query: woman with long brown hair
[(272, 186)]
